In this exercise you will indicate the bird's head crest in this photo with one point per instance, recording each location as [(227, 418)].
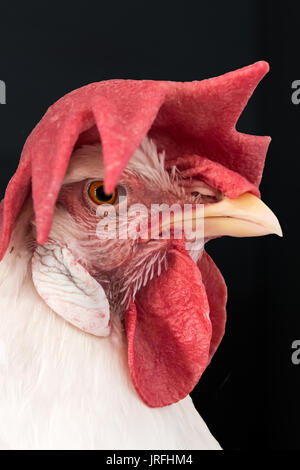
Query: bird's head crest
[(186, 119)]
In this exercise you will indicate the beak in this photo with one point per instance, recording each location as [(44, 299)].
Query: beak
[(245, 216)]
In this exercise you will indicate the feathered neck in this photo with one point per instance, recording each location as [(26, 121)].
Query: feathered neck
[(64, 389)]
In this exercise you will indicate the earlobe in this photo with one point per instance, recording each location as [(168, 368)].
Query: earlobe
[(69, 290)]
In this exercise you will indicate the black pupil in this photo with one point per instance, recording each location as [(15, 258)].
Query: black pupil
[(101, 196)]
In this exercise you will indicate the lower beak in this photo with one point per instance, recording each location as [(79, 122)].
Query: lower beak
[(245, 216)]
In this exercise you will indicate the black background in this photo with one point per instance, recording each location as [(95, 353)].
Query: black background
[(249, 396)]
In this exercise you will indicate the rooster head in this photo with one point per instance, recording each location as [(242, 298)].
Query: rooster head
[(125, 143)]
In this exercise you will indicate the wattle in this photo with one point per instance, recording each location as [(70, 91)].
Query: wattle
[(174, 326)]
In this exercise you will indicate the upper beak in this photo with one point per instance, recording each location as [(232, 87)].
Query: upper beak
[(245, 216)]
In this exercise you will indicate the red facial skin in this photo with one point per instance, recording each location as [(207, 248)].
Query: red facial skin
[(106, 259)]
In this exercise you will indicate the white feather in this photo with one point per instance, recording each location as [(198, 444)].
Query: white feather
[(61, 388)]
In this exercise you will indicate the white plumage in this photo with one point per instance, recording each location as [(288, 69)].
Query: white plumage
[(64, 389)]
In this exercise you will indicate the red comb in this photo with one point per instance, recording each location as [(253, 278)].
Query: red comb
[(184, 119)]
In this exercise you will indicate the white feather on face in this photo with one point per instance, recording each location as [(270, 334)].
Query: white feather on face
[(146, 163)]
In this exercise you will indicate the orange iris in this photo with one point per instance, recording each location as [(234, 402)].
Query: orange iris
[(97, 194)]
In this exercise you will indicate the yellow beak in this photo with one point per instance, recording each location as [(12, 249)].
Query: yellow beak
[(245, 216)]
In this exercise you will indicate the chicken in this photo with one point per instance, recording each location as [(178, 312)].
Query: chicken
[(104, 337)]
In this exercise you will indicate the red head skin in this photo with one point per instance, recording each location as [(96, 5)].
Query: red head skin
[(121, 263)]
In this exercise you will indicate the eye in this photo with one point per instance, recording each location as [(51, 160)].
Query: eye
[(97, 194), (202, 193)]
